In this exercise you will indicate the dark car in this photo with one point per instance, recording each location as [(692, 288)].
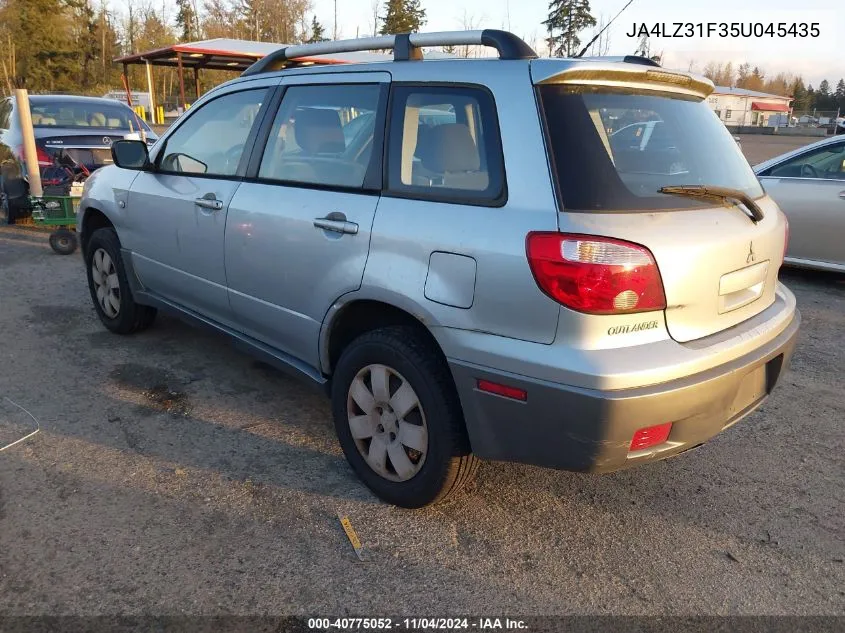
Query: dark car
[(73, 137)]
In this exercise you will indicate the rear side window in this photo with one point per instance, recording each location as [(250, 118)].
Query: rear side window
[(614, 151), (444, 145), (323, 135), (83, 114)]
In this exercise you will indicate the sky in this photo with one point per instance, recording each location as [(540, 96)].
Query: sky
[(814, 58)]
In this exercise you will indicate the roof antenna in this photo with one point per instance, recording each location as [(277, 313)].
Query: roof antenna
[(598, 35)]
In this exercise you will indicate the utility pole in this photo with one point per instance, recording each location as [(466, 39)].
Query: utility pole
[(334, 37)]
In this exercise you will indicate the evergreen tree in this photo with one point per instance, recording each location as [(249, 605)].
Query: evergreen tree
[(800, 96), (402, 16), (840, 96), (743, 74), (567, 18), (318, 33), (823, 96), (43, 35), (187, 21)]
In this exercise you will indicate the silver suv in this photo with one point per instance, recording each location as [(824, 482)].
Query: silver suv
[(564, 262)]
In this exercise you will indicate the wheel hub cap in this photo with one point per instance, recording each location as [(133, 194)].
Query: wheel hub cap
[(387, 422), (106, 284)]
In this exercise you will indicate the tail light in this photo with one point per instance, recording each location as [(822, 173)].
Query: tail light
[(596, 275), (44, 159)]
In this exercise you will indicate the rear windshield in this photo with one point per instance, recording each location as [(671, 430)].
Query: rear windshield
[(614, 151), (69, 114)]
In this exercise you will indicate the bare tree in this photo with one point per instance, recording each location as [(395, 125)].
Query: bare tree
[(469, 22), (602, 44), (375, 5)]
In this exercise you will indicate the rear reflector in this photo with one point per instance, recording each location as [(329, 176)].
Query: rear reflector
[(650, 436), (596, 275), (502, 390)]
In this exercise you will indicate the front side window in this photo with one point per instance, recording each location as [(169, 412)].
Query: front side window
[(615, 150), (445, 145), (212, 140), (826, 162), (323, 135)]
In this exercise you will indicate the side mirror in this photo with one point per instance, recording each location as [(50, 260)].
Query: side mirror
[(131, 155)]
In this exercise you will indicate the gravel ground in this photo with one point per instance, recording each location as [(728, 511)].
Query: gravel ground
[(175, 475)]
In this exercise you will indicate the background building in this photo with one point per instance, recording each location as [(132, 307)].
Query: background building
[(737, 106)]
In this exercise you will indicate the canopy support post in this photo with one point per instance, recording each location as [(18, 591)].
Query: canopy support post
[(197, 81), (150, 89), (181, 81), (126, 85)]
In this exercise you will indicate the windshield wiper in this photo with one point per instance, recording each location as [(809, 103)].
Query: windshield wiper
[(722, 193)]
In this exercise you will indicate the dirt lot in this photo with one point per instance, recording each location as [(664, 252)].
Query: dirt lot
[(175, 475)]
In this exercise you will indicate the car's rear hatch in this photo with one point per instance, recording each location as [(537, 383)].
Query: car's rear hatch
[(88, 148), (617, 134)]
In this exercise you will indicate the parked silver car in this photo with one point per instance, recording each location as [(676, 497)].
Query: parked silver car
[(484, 283), (809, 186)]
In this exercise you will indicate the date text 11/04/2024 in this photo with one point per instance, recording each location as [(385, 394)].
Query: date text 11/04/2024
[(417, 624), (725, 29)]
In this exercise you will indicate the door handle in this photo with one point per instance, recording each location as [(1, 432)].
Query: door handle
[(842, 194), (337, 226), (209, 203)]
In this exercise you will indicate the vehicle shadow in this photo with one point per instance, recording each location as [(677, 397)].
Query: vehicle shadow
[(816, 278)]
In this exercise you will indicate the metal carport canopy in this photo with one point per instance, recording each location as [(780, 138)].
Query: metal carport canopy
[(223, 54)]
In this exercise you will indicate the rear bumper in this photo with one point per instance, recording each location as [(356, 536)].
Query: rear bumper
[(571, 428)]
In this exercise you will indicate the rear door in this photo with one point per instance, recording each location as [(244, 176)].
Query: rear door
[(298, 228), (810, 189), (718, 266), (176, 214)]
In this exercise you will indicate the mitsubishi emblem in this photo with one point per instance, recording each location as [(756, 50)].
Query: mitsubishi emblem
[(751, 257)]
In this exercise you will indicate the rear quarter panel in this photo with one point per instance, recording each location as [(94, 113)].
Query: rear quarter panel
[(505, 299)]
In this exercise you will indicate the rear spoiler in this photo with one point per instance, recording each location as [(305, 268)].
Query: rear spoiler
[(634, 78)]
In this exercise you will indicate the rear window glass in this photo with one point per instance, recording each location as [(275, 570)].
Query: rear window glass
[(68, 114), (614, 151)]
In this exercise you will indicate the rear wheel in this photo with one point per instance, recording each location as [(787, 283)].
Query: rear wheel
[(399, 420), (109, 286)]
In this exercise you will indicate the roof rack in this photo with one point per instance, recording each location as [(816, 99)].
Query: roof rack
[(405, 47)]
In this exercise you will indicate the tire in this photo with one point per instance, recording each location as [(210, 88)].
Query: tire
[(117, 310), (64, 242), (399, 358)]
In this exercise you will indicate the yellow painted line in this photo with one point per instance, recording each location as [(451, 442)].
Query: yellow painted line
[(352, 536)]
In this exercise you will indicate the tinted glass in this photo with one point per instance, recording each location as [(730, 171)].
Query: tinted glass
[(614, 151), (322, 135), (826, 162), (72, 114), (445, 144), (211, 141)]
